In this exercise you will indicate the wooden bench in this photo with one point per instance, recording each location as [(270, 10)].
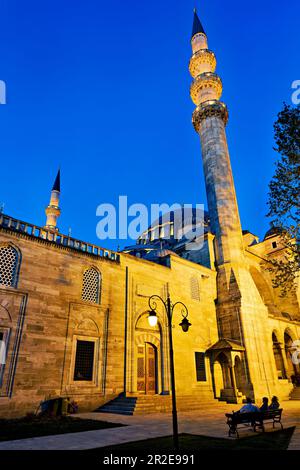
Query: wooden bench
[(254, 420)]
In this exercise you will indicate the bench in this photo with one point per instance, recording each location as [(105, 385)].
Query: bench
[(237, 420)]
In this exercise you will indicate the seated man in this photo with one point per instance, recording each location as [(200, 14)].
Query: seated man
[(249, 407)]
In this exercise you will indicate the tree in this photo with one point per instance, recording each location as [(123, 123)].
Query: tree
[(284, 197)]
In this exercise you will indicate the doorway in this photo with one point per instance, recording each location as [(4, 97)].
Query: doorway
[(147, 369)]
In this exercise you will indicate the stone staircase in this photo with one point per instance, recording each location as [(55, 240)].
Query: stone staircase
[(295, 394), (147, 404), (121, 406)]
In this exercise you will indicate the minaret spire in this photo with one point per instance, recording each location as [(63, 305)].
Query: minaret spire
[(197, 25), (56, 185), (53, 210)]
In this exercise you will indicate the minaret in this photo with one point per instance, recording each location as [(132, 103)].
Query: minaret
[(241, 312), (53, 210), (209, 119)]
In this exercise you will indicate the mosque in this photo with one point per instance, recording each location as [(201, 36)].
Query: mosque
[(74, 317)]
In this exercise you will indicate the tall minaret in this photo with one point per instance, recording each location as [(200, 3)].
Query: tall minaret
[(241, 312), (53, 210), (209, 120)]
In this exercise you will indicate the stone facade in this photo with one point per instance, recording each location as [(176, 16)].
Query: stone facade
[(43, 316)]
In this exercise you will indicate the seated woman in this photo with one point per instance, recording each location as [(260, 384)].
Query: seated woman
[(265, 404), (275, 405)]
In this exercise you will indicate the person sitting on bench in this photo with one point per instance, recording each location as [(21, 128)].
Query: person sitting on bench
[(249, 407), (265, 404), (274, 404)]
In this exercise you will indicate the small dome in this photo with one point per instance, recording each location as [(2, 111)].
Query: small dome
[(273, 231)]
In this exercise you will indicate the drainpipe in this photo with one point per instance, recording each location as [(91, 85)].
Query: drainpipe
[(125, 329)]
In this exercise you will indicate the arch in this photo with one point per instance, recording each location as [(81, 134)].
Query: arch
[(161, 318), (223, 361), (10, 261), (4, 312), (289, 338), (288, 331), (91, 285), (143, 324), (277, 352), (264, 288), (87, 325), (147, 338)]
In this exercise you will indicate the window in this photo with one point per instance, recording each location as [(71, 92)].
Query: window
[(195, 293), (84, 361), (91, 286), (9, 262), (200, 366), (274, 244), (3, 350)]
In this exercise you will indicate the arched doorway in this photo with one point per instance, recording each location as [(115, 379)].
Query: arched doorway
[(281, 373), (293, 369), (147, 369), (222, 374)]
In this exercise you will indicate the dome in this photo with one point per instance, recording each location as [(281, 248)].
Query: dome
[(273, 230), (165, 226)]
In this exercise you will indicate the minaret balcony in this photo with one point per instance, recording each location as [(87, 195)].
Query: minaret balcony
[(202, 61), (208, 109), (199, 41), (52, 211), (206, 86)]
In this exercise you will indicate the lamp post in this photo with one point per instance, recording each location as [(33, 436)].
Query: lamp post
[(185, 324)]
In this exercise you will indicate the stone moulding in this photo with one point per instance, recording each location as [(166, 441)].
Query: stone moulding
[(55, 239), (208, 109)]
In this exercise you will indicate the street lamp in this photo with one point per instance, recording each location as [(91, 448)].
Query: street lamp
[(185, 324)]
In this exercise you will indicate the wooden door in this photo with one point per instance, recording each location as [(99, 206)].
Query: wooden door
[(146, 369)]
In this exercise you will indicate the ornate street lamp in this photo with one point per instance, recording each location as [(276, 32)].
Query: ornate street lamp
[(185, 324)]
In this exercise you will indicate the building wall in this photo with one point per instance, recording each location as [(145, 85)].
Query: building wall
[(45, 316), (48, 295), (50, 280)]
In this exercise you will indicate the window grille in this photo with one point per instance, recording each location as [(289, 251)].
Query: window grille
[(8, 266), (200, 366), (195, 292), (84, 361), (91, 286)]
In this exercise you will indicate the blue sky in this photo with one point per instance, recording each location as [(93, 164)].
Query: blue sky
[(102, 89)]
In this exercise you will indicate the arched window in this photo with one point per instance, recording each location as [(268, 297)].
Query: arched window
[(195, 292), (91, 286), (9, 266)]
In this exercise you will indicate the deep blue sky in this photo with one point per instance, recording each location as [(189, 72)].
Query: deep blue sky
[(102, 89)]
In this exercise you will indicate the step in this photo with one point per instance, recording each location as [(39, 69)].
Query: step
[(116, 411), (146, 404), (295, 395), (120, 405)]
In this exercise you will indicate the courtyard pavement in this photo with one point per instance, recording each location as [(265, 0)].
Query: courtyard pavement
[(208, 422)]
